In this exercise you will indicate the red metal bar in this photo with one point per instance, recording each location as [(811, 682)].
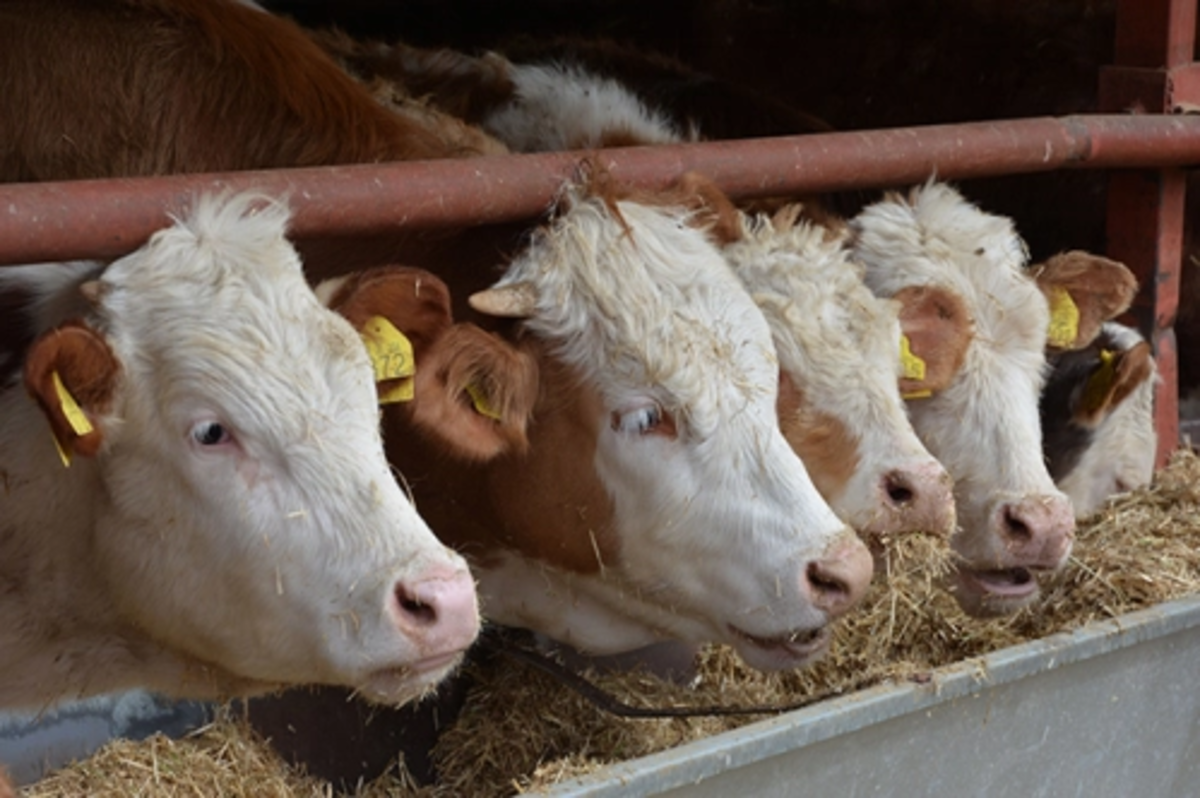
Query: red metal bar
[(1155, 47), (60, 221)]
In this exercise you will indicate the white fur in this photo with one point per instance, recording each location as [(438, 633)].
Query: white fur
[(199, 570), (839, 343), (716, 525), (984, 428), (1121, 454), (559, 107)]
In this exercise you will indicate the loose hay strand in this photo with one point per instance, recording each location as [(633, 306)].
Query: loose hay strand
[(522, 731)]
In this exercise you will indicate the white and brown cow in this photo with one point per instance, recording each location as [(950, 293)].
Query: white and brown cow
[(840, 406), (228, 522), (979, 319), (1097, 412), (657, 499)]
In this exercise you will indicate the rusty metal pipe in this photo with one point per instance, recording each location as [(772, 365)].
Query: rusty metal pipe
[(61, 221)]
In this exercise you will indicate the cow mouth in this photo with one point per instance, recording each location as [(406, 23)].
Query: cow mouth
[(995, 591), (791, 650)]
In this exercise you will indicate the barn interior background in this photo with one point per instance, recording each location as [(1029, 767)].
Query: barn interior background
[(859, 65)]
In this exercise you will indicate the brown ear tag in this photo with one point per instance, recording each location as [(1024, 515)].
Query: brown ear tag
[(914, 369), (392, 356), (74, 415), (1064, 318)]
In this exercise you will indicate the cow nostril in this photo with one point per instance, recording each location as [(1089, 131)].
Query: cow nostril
[(1015, 526), (828, 587), (899, 489), (414, 608)]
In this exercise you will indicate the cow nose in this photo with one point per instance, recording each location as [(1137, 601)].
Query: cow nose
[(838, 581), (920, 498), (1037, 531), (438, 610)]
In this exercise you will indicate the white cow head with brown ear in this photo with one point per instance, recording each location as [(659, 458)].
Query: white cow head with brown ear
[(980, 321), (228, 522), (658, 499)]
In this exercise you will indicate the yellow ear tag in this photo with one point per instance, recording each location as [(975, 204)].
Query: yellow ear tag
[(1100, 383), (74, 415), (1064, 318), (914, 369), (480, 400), (392, 356)]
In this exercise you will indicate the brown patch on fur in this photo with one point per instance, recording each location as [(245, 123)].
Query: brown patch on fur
[(88, 370), (828, 449), (466, 358), (459, 84), (939, 331), (566, 523), (182, 86), (716, 210), (1133, 367), (1101, 288)]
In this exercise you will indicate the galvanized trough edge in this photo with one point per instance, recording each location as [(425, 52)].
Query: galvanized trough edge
[(693, 762)]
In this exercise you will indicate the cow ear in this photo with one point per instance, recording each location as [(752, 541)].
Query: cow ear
[(71, 372), (714, 210), (1118, 375), (936, 331), (416, 302), (476, 392), (1084, 291)]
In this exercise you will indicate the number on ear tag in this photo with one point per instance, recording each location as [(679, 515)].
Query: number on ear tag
[(392, 356)]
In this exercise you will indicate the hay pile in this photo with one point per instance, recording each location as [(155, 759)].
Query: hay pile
[(522, 730)]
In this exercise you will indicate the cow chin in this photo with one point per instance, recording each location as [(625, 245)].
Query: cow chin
[(404, 683), (796, 649)]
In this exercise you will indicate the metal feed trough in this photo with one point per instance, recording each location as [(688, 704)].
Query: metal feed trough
[(1108, 710)]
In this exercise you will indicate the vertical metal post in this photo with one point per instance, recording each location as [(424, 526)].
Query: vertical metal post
[(1155, 46)]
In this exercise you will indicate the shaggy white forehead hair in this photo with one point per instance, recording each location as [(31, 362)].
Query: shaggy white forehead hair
[(223, 288), (936, 237), (644, 305), (825, 322)]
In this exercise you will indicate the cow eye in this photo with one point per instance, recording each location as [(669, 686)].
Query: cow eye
[(210, 433), (641, 420)]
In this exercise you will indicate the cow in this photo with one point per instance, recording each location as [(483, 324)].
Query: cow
[(657, 498), (839, 348), (1097, 413), (981, 321), (196, 498)]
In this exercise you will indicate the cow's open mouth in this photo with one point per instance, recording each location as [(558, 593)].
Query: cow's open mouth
[(1003, 582), (789, 650)]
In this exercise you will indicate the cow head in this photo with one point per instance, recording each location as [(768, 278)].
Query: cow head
[(658, 498), (250, 521), (839, 403), (1097, 412), (980, 322)]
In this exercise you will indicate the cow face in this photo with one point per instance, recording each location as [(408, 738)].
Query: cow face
[(658, 498), (840, 406), (250, 520), (1097, 413), (979, 321)]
